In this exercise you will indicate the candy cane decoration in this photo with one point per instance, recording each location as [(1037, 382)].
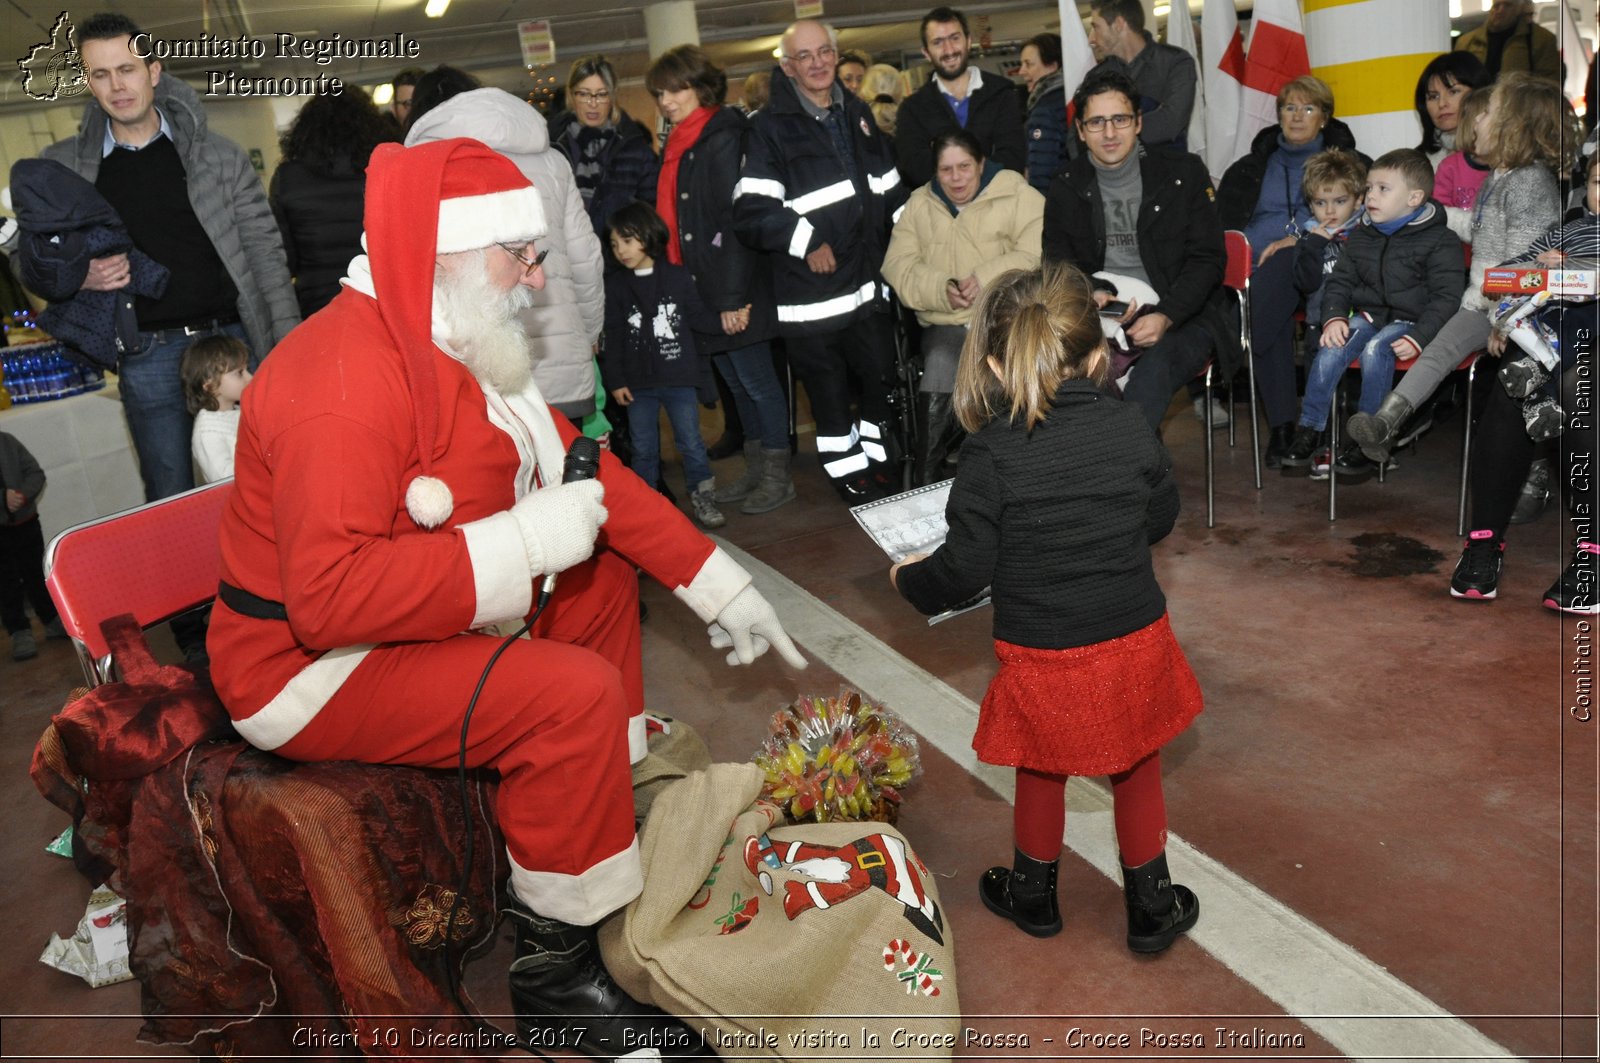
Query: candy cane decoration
[(919, 973)]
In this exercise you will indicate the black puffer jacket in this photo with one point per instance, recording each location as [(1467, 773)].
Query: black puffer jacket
[(1180, 239), (728, 274), (1416, 275), (1241, 182), (628, 170), (319, 210), (66, 223)]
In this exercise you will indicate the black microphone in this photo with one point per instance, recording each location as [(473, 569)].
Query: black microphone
[(583, 463)]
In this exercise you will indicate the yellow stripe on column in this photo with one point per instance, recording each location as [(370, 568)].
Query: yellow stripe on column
[(1374, 86), (1317, 5)]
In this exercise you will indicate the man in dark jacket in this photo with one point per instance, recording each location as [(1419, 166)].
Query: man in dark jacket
[(1164, 75), (957, 96), (817, 191), (191, 201), (1144, 213)]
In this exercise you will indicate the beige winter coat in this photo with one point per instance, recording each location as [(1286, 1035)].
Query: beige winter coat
[(998, 231)]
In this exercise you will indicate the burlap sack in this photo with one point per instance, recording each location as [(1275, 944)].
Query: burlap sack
[(673, 749), (821, 941)]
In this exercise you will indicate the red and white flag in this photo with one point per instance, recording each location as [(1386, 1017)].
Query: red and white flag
[(1076, 55), (1221, 78), (1180, 34), (1276, 56), (1575, 54)]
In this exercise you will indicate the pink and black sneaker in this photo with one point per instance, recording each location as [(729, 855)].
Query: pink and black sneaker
[(1478, 572), (1575, 590)]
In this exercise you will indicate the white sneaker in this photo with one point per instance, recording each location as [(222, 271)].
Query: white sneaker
[(1219, 412)]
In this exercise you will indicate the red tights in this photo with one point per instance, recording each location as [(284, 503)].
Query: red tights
[(1139, 809)]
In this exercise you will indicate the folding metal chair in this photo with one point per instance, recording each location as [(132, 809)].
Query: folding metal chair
[(1470, 364), (156, 561), (1236, 277)]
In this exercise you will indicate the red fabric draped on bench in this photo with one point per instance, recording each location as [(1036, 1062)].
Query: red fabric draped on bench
[(267, 897)]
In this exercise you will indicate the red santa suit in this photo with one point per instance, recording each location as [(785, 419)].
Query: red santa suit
[(351, 417)]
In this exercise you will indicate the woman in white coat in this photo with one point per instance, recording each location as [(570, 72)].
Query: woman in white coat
[(564, 322), (971, 223)]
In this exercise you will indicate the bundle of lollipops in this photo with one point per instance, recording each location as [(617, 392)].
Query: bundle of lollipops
[(835, 759)]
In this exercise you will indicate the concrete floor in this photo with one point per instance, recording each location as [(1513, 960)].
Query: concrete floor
[(1386, 808)]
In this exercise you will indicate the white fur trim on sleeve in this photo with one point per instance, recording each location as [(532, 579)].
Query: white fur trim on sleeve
[(470, 222), (714, 586), (502, 583)]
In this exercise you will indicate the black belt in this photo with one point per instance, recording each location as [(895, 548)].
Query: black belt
[(246, 604), (202, 328)]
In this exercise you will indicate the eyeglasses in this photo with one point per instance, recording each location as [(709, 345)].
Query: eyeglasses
[(827, 53), (529, 264), (1298, 108), (1118, 121), (585, 96)]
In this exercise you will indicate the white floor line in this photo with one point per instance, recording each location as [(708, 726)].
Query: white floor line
[(1350, 1001)]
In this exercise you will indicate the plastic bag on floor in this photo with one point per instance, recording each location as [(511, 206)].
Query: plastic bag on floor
[(98, 952)]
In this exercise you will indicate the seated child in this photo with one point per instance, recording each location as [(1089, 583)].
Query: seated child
[(1334, 184), (1400, 278), (1462, 173), (214, 370), (649, 360), (1538, 334)]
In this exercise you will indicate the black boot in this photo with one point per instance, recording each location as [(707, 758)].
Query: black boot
[(937, 434), (564, 997), (1158, 911), (1024, 894), (1278, 444)]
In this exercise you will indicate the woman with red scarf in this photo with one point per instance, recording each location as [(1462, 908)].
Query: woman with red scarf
[(694, 196)]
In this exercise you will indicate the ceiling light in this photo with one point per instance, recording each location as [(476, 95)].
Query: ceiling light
[(1162, 10), (435, 8), (383, 95)]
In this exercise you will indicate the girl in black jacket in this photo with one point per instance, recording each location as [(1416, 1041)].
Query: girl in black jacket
[(1058, 495)]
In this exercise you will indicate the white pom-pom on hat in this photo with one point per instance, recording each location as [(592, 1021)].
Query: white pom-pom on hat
[(429, 501)]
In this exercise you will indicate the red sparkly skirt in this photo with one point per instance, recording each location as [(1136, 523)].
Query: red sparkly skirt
[(1087, 710)]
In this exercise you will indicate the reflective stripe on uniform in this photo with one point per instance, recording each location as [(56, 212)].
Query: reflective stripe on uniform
[(880, 185), (872, 441), (838, 444), (821, 197), (801, 239), (759, 186), (842, 467), (842, 304)]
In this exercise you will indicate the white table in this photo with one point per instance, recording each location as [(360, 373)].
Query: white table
[(82, 443)]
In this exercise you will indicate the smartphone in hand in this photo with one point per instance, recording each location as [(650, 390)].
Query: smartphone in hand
[(1114, 308)]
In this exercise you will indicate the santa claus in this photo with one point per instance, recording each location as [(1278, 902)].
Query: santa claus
[(398, 493)]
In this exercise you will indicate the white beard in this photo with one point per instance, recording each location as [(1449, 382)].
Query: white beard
[(480, 325)]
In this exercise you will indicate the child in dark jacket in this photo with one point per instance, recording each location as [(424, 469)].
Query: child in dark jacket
[(1400, 278), (1091, 680), (650, 361), (1334, 182), (22, 551)]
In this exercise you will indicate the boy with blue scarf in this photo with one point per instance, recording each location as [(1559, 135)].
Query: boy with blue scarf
[(1399, 279)]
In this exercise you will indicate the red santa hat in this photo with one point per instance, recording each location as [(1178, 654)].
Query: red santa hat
[(434, 199)]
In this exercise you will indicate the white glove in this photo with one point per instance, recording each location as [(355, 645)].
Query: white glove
[(559, 524), (749, 625)]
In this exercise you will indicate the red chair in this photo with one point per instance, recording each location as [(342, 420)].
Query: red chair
[(1241, 263), (155, 561)]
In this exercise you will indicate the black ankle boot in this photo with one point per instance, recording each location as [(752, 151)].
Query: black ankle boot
[(566, 1000), (1025, 894), (938, 434), (1158, 911)]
